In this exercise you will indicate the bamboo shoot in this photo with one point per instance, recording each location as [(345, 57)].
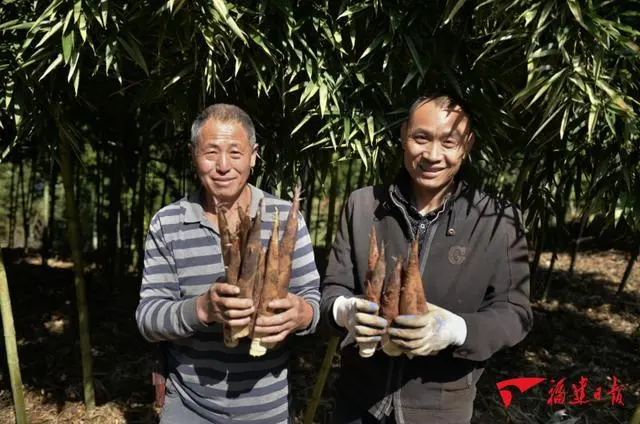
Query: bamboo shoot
[(250, 262), (389, 306), (373, 292), (269, 288)]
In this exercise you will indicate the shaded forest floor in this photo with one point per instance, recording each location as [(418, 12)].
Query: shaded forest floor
[(582, 330)]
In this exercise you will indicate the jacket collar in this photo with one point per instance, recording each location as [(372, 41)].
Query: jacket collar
[(401, 194)]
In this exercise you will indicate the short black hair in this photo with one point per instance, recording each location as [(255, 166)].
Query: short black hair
[(444, 98)]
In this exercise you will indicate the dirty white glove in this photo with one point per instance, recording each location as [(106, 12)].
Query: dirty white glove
[(429, 333), (358, 317)]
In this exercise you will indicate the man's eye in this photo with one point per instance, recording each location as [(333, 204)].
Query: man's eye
[(451, 143)]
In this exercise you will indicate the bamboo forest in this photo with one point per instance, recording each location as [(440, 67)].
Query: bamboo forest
[(97, 101)]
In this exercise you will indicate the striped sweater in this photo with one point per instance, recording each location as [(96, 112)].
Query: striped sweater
[(182, 259)]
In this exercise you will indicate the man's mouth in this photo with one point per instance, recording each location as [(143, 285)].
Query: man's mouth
[(429, 169), (223, 180)]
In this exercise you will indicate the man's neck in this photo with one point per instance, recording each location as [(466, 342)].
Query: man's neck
[(243, 200), (426, 201)]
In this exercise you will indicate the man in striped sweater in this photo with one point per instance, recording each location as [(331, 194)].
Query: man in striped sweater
[(184, 300)]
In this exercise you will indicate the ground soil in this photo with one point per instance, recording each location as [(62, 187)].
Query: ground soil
[(582, 329)]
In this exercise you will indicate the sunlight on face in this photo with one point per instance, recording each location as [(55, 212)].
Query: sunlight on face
[(223, 158), (435, 141)]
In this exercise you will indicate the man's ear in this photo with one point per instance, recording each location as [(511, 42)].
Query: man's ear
[(254, 154)]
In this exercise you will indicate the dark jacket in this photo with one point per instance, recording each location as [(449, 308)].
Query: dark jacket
[(475, 264)]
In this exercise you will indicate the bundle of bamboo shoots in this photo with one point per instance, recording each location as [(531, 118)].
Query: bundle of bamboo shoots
[(262, 274), (403, 294)]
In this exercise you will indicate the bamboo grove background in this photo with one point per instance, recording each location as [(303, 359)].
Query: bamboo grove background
[(98, 95)]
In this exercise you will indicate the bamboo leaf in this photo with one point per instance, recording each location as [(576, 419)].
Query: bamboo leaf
[(409, 77), (51, 67), (67, 19), (221, 8), (323, 99), (77, 11), (104, 11), (576, 11), (108, 57), (414, 53), (371, 129), (50, 10), (82, 27), (374, 44), (50, 33), (134, 53), (76, 82), (184, 71), (360, 151), (353, 10), (593, 120), (563, 124), (67, 46), (454, 11), (301, 124)]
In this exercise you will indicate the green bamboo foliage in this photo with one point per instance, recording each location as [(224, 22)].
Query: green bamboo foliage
[(11, 347), (553, 85)]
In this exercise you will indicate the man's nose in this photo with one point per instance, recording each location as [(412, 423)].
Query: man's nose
[(432, 151), (222, 165)]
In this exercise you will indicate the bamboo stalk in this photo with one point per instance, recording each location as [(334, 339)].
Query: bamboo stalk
[(627, 272), (76, 252), (11, 348), (635, 419), (325, 368)]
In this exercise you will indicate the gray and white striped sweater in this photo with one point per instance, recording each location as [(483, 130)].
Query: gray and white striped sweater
[(182, 259)]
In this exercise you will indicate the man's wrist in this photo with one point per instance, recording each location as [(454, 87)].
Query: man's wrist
[(306, 314), (202, 308)]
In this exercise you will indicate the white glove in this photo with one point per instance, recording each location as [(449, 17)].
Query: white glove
[(429, 333), (357, 316)]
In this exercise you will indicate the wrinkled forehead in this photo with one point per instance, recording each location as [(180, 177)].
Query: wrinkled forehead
[(215, 130)]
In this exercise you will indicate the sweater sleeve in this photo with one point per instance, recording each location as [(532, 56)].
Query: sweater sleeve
[(161, 313), (505, 316), (305, 279)]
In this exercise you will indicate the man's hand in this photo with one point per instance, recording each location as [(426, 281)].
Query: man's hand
[(429, 333), (220, 304), (293, 314), (357, 315)]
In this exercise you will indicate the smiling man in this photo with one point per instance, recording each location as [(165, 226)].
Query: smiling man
[(185, 302), (474, 268)]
